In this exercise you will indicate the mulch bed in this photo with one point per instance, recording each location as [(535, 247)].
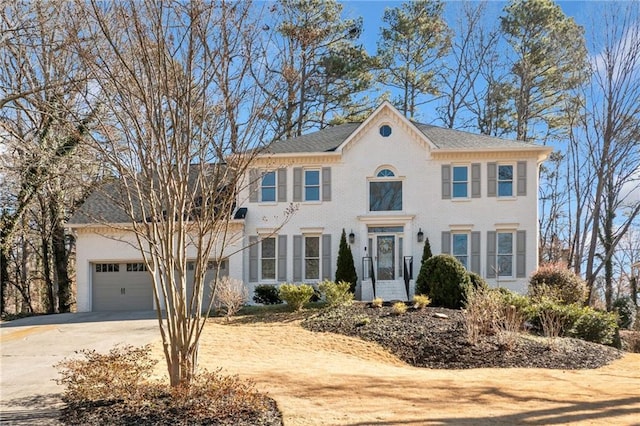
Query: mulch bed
[(158, 413), (423, 339)]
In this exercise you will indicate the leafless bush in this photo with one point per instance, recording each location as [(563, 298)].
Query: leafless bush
[(230, 295), (509, 326), (482, 314), (112, 376)]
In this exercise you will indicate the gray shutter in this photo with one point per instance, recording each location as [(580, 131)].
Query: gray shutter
[(282, 185), (475, 180), (446, 182), (521, 254), (491, 254), (297, 184), (522, 178), (326, 257), (253, 259), (446, 242), (254, 177), (491, 179), (326, 184), (297, 258), (282, 258), (475, 252)]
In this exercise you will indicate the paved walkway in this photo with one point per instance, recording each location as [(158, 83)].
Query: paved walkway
[(31, 346)]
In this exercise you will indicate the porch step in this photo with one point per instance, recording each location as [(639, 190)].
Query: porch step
[(387, 290)]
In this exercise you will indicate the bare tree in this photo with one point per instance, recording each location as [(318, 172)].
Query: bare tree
[(42, 124), (178, 81), (609, 134)]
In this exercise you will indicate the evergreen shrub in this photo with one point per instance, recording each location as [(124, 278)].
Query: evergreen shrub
[(445, 281), (296, 295), (557, 282), (267, 295)]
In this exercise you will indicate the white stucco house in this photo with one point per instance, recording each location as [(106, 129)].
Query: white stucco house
[(390, 183)]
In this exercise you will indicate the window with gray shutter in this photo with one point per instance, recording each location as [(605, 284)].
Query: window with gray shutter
[(326, 184), (522, 178), (297, 258), (282, 185), (254, 176), (475, 180), (326, 257), (297, 184), (491, 254), (282, 258), (253, 259), (446, 182), (491, 179), (475, 252), (446, 242), (521, 254)]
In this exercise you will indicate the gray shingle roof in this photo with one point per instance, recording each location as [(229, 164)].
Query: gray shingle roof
[(327, 140), (101, 206)]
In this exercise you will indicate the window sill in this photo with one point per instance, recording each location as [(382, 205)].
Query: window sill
[(461, 199), (507, 198)]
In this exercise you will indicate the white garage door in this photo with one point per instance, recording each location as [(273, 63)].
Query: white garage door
[(121, 287)]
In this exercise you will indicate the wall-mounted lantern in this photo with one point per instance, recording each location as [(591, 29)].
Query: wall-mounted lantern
[(352, 237), (420, 236)]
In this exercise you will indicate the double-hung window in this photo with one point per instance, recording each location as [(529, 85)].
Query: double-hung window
[(312, 258), (312, 185), (460, 245), (504, 262), (460, 182), (268, 186), (505, 180), (268, 258)]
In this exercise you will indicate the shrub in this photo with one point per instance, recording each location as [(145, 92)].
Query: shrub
[(553, 318), (377, 302), (594, 326), (626, 312), (399, 308), (422, 274), (421, 301), (336, 294), (477, 282), (445, 281), (267, 295), (557, 282), (296, 295), (230, 295), (116, 375), (345, 268)]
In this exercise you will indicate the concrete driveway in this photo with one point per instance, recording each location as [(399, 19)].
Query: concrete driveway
[(30, 347)]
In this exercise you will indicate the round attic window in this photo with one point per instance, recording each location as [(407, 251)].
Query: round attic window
[(385, 130)]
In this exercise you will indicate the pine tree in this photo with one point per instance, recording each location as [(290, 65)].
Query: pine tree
[(422, 275), (346, 270)]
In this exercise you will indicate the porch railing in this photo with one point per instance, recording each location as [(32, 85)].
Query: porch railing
[(369, 273)]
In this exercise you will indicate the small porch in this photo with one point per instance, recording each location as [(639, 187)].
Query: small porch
[(401, 287)]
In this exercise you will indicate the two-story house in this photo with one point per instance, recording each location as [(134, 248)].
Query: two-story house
[(390, 184)]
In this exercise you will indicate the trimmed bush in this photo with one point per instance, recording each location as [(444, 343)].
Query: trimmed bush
[(267, 295), (296, 295), (626, 312), (445, 281), (422, 274), (559, 283), (594, 326), (336, 294)]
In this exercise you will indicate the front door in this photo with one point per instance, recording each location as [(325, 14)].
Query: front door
[(385, 244), (386, 257)]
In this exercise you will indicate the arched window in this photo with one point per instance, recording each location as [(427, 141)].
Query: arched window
[(385, 173), (385, 191)]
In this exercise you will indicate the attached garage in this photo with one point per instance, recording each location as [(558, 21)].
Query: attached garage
[(121, 287)]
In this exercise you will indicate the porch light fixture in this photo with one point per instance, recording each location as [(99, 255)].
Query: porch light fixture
[(352, 237), (420, 236)]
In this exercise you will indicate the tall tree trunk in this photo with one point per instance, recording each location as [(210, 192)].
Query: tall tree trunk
[(59, 254)]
